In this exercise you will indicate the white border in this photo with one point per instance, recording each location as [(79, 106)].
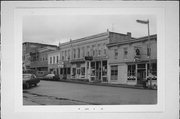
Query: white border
[(104, 8)]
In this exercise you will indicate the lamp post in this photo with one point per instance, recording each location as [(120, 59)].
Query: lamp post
[(148, 47)]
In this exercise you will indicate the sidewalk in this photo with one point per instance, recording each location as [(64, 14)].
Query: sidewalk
[(106, 84)]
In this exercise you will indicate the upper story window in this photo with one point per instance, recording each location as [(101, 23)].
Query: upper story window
[(50, 60), (83, 52), (148, 52), (53, 59), (69, 54), (125, 52), (78, 52), (57, 59), (99, 49), (65, 55), (88, 53), (115, 53), (74, 51), (62, 55)]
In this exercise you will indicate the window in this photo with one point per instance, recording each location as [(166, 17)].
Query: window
[(92, 68), (115, 53), (62, 55), (82, 70), (114, 72), (83, 52), (74, 51), (73, 71), (68, 54), (99, 49), (131, 70), (53, 59), (50, 60), (65, 55), (125, 53), (93, 50), (88, 53), (61, 71), (78, 52), (78, 71), (57, 59), (153, 69), (68, 70), (148, 52)]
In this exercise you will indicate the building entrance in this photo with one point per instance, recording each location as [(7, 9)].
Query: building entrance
[(141, 76), (141, 73)]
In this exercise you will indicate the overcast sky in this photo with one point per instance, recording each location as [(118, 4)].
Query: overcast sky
[(55, 29)]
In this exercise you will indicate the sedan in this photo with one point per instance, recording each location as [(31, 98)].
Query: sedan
[(50, 77), (29, 80)]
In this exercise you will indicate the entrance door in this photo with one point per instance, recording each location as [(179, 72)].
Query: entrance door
[(98, 70), (141, 75)]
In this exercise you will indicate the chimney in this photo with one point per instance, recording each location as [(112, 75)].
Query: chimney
[(129, 35)]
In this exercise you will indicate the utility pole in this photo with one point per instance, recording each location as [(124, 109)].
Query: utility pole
[(148, 47)]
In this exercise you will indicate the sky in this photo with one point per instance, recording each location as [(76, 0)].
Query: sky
[(54, 29)]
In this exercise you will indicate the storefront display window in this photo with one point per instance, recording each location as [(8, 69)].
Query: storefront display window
[(82, 70), (153, 69), (131, 70), (104, 68), (68, 70), (92, 68), (73, 71)]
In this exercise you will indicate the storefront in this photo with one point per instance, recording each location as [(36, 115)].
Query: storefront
[(137, 73), (98, 71)]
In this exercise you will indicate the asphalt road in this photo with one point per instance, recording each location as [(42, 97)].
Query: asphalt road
[(64, 93)]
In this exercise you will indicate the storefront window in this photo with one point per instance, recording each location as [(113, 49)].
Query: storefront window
[(104, 68), (73, 71), (78, 71), (153, 69), (114, 72), (92, 68), (61, 71), (68, 70), (131, 70), (82, 70)]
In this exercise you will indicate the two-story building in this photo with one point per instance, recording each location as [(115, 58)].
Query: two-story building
[(129, 59), (85, 58), (35, 57)]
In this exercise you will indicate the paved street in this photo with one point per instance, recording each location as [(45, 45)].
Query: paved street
[(64, 93)]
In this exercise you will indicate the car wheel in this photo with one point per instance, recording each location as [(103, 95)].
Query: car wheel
[(35, 84)]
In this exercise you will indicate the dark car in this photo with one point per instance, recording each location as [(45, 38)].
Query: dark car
[(30, 80), (50, 77)]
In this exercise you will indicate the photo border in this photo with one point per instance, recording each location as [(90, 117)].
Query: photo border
[(18, 11)]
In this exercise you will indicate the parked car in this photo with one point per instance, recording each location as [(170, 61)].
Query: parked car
[(51, 77), (30, 80)]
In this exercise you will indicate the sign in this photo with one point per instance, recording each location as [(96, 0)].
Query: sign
[(88, 58)]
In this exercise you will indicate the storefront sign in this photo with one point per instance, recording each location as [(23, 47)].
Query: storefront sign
[(88, 58)]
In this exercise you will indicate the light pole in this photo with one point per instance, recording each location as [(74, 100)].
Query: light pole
[(148, 47)]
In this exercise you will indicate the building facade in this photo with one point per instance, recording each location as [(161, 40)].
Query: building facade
[(35, 57), (129, 60), (86, 58)]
